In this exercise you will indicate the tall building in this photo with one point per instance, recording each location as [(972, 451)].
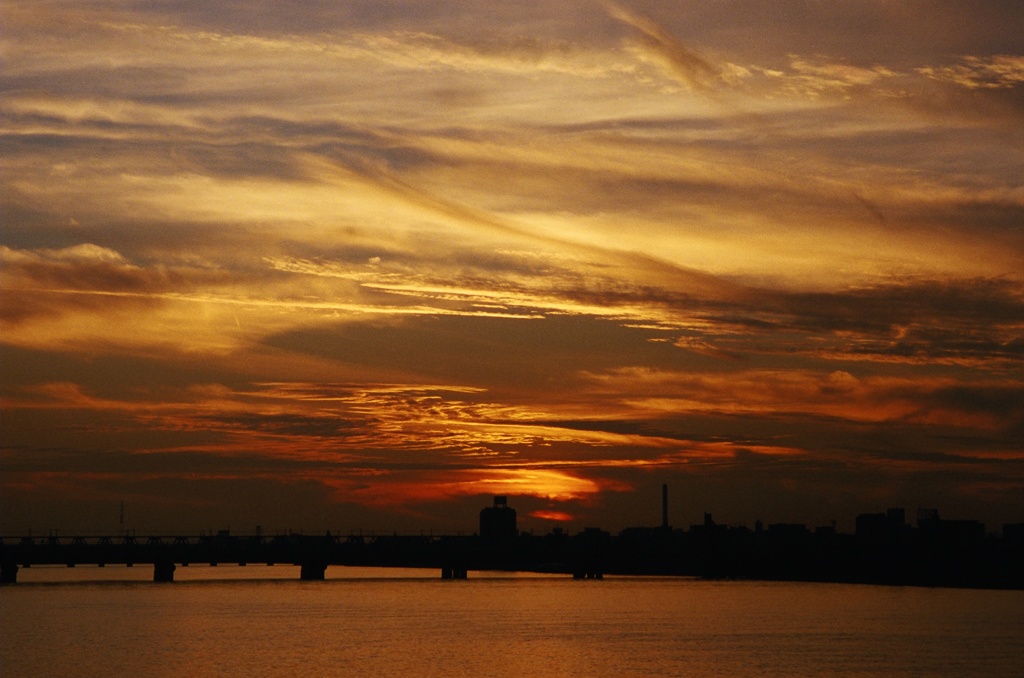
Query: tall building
[(498, 521)]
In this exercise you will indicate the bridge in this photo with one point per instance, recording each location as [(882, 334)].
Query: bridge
[(453, 556), (313, 554), (936, 553)]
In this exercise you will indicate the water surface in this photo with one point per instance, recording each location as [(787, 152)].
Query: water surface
[(263, 621)]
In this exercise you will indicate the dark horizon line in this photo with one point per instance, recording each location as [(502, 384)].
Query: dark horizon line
[(928, 516)]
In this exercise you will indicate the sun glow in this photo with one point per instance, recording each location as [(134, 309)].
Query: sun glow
[(380, 262)]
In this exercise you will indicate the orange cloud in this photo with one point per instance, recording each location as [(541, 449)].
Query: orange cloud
[(556, 516), (413, 487)]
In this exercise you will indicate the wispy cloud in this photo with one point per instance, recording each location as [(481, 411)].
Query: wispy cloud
[(378, 260), (683, 63), (1000, 71)]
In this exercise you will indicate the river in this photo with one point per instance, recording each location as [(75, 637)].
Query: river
[(263, 621)]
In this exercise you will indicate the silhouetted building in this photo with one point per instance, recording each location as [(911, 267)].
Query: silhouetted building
[(888, 525), (825, 531), (870, 524), (954, 531), (931, 526), (788, 530), (926, 515), (1013, 533), (498, 521)]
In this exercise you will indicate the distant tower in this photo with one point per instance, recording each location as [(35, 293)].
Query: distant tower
[(664, 507), (498, 521)]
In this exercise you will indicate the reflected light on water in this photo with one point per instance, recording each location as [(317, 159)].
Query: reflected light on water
[(260, 620)]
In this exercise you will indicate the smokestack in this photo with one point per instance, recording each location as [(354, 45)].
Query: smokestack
[(664, 506)]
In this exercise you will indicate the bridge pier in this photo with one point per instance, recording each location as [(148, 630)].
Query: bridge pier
[(588, 571), (588, 574), (163, 571), (454, 572), (312, 570), (8, 573)]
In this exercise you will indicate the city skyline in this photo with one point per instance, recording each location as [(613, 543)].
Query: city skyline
[(885, 549), (364, 265)]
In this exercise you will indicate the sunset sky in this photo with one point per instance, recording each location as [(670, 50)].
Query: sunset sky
[(362, 265)]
